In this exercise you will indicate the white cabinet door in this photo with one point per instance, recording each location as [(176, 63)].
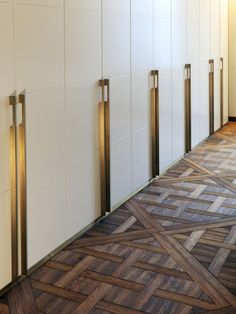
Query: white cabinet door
[(163, 62), (39, 69), (83, 72), (6, 88), (193, 57), (116, 67), (215, 54), (179, 25), (204, 67), (224, 43), (142, 54)]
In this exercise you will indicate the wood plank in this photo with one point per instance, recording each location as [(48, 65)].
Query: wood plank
[(4, 309), (113, 238), (29, 304), (200, 226), (181, 298)]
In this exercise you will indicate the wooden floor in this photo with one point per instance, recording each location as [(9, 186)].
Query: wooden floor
[(170, 249)]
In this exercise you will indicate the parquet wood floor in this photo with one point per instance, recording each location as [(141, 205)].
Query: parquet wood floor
[(171, 249)]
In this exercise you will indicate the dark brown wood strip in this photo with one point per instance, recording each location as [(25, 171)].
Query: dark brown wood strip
[(4, 308), (113, 238), (29, 304), (200, 226), (181, 298), (15, 301), (226, 310)]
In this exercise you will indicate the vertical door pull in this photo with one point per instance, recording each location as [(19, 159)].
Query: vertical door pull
[(188, 114), (222, 92), (14, 186), (155, 124), (23, 184), (211, 97), (104, 117)]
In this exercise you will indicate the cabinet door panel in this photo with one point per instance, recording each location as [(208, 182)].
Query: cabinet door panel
[(142, 43), (204, 100), (165, 143), (83, 191), (5, 119), (224, 43), (163, 62), (163, 8), (141, 158), (204, 67), (193, 57), (83, 46), (45, 173), (141, 133), (82, 119), (91, 5), (120, 170), (179, 28), (5, 239), (178, 136), (38, 65), (116, 44), (215, 54), (6, 88), (142, 7), (120, 111), (116, 6)]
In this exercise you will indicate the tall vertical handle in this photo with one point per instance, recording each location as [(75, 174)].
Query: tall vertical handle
[(188, 113), (23, 184), (222, 91), (14, 186), (104, 114), (211, 97), (155, 124)]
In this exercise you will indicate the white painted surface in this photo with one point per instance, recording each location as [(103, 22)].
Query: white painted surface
[(232, 58)]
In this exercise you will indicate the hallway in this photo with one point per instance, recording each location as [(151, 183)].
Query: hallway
[(170, 249)]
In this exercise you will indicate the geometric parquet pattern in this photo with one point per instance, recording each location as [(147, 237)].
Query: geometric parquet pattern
[(171, 249)]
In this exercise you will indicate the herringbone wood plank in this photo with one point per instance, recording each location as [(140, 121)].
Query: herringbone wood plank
[(170, 249)]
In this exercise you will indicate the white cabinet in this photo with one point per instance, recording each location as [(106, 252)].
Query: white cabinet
[(193, 58), (116, 68), (142, 62), (215, 54), (163, 62), (204, 68), (179, 24), (6, 88), (224, 51), (39, 70), (83, 69)]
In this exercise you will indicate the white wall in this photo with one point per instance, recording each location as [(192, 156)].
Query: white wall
[(232, 58)]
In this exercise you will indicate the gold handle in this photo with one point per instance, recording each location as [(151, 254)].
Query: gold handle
[(105, 146), (222, 92), (14, 187), (155, 124), (188, 114), (23, 184), (211, 97)]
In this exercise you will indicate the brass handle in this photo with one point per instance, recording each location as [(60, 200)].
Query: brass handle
[(23, 183), (14, 186), (155, 124), (211, 97), (188, 113), (104, 117), (222, 91)]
